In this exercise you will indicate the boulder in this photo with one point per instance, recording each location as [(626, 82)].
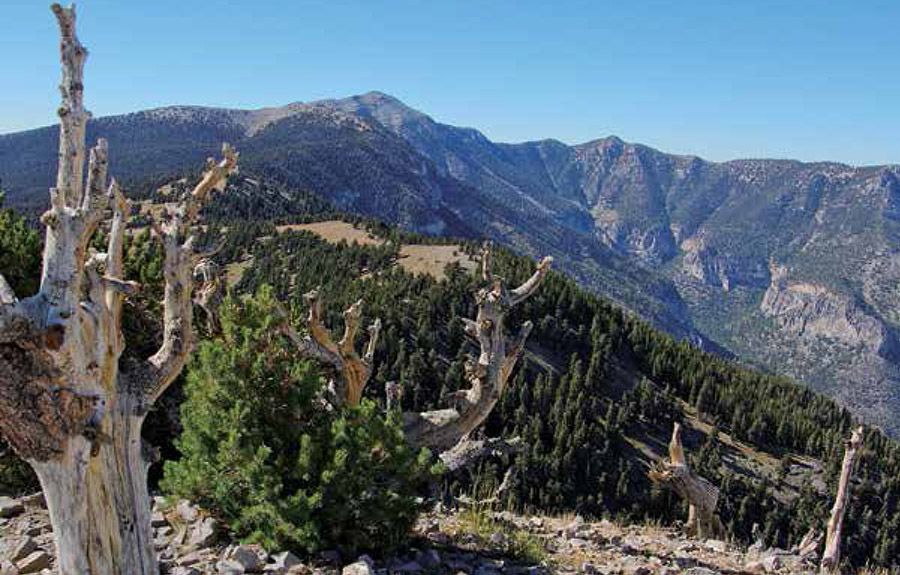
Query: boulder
[(10, 507), (35, 562), (25, 547), (204, 533), (285, 560), (247, 557), (769, 564), (230, 567), (35, 500), (363, 566), (187, 512)]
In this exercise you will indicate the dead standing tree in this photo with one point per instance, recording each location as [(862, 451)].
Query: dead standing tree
[(65, 406), (701, 495), (444, 431), (831, 558)]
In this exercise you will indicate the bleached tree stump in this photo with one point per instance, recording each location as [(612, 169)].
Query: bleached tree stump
[(701, 495), (831, 558), (65, 405)]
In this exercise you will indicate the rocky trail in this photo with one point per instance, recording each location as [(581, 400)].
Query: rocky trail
[(462, 542)]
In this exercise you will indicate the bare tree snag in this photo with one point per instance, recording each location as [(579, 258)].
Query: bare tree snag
[(468, 452), (831, 558), (443, 429), (352, 370), (807, 547), (209, 292), (65, 406), (701, 495)]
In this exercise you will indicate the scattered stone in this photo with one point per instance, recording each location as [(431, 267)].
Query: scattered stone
[(285, 560), (769, 564), (204, 533), (10, 507), (246, 556), (23, 549), (430, 559), (459, 565), (35, 562), (578, 543), (187, 512), (574, 528), (334, 557), (157, 519), (363, 566), (230, 567), (716, 545), (35, 500), (408, 567), (191, 558)]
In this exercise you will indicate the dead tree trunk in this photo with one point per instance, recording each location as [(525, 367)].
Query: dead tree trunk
[(443, 430), (701, 495), (65, 407), (352, 371), (831, 558)]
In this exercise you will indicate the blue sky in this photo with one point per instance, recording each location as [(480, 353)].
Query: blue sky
[(721, 79)]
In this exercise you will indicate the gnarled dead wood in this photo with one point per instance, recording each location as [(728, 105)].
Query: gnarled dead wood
[(807, 547), (701, 495), (64, 405), (468, 452), (441, 430), (831, 558), (209, 292), (155, 374), (352, 370)]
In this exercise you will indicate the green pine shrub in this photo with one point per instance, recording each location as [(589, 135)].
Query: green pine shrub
[(260, 451), (20, 264)]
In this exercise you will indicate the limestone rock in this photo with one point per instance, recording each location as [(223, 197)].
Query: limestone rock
[(25, 547), (285, 560), (10, 507), (35, 562), (204, 533), (247, 557), (363, 566)]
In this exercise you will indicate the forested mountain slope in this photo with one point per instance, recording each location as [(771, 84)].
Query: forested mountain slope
[(597, 393), (789, 266)]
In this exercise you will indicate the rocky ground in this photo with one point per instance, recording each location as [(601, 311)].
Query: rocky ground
[(467, 542)]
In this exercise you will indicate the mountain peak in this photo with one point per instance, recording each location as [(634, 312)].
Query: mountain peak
[(384, 108)]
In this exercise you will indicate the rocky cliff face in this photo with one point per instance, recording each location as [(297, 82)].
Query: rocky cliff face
[(684, 242)]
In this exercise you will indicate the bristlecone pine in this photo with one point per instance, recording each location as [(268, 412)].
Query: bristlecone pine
[(66, 407), (445, 431), (701, 495)]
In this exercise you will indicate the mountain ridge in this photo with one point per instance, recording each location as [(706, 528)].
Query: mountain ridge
[(788, 265)]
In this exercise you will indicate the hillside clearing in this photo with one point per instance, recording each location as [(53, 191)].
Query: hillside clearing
[(414, 258)]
